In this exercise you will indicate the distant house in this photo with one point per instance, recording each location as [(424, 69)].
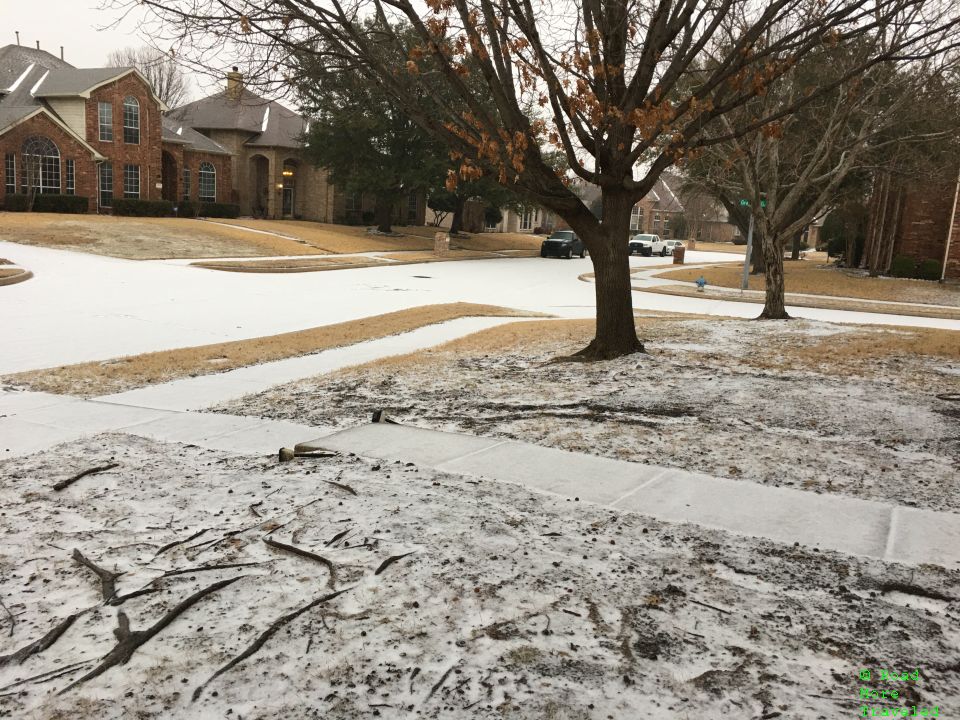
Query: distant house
[(658, 212), (96, 133)]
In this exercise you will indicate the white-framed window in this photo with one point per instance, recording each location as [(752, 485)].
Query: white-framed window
[(526, 219), (131, 181), (41, 165), (207, 182), (186, 183), (636, 218), (10, 173), (105, 117), (131, 120), (353, 202), (71, 172), (412, 207), (105, 181)]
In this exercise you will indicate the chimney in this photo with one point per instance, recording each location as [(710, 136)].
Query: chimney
[(234, 84), (61, 52), (38, 44), (18, 38)]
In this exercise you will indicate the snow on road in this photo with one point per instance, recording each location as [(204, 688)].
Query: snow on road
[(82, 307)]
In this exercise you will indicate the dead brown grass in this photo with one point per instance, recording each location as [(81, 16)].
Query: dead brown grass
[(856, 353), (143, 238), (812, 278), (318, 264), (101, 378), (822, 303), (9, 272), (353, 239), (721, 247)]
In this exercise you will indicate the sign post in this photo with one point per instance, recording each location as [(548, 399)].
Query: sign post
[(746, 260)]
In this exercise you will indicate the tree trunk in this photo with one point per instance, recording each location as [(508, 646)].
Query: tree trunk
[(795, 250), (457, 223), (383, 213), (758, 264), (774, 303), (616, 332)]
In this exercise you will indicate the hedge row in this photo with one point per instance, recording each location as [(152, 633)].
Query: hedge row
[(907, 267), (47, 203), (218, 210), (142, 208)]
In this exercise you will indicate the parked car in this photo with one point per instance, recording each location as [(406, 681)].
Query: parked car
[(670, 246), (563, 243), (642, 243)]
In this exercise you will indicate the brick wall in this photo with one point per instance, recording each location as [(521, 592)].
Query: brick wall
[(85, 169), (922, 233), (146, 153), (223, 166)]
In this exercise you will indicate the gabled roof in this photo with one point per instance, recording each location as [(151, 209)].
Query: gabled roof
[(15, 58), (269, 123), (72, 82), (177, 132)]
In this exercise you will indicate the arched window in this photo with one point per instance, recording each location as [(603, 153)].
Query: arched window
[(131, 120), (207, 182), (41, 165)]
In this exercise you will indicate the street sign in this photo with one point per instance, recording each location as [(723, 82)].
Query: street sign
[(746, 203)]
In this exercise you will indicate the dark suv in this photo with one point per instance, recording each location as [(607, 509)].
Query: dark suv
[(563, 243)]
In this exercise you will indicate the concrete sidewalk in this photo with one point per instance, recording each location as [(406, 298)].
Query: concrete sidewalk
[(195, 393), (32, 422), (830, 522)]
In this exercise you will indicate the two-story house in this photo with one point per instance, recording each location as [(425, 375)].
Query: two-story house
[(98, 133)]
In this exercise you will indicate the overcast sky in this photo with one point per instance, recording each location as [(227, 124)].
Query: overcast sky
[(75, 25), (71, 23)]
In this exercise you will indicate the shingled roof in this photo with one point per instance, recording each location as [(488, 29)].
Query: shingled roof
[(269, 123), (176, 132)]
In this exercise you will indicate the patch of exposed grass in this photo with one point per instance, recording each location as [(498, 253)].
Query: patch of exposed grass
[(812, 278), (143, 238), (824, 303), (9, 272), (92, 379)]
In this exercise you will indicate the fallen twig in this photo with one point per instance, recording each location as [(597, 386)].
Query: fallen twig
[(331, 583), (121, 599), (439, 683), (391, 560), (71, 480), (48, 675), (336, 537), (341, 486), (207, 568), (40, 645), (712, 607), (13, 620), (266, 635), (129, 640), (179, 542), (108, 580)]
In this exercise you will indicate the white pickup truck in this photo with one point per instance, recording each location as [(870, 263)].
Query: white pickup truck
[(648, 244)]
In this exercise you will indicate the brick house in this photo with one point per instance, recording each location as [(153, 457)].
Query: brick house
[(97, 133), (272, 177), (657, 212), (915, 220)]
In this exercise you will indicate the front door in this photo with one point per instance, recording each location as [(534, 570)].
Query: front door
[(287, 201)]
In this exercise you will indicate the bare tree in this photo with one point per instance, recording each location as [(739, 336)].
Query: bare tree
[(623, 88), (791, 171), (161, 70)]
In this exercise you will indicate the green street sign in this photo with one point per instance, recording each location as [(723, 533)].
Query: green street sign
[(746, 203)]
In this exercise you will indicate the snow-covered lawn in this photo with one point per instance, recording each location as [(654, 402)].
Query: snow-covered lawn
[(498, 602), (808, 405)]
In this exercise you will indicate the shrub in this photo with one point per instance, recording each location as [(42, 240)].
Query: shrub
[(367, 216), (492, 216), (740, 240), (187, 208), (929, 270), (48, 203), (903, 267), (132, 207), (219, 210)]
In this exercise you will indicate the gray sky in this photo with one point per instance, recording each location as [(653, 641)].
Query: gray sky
[(71, 23)]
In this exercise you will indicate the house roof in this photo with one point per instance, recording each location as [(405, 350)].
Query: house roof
[(660, 195), (72, 81), (177, 132), (15, 58), (269, 123)]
